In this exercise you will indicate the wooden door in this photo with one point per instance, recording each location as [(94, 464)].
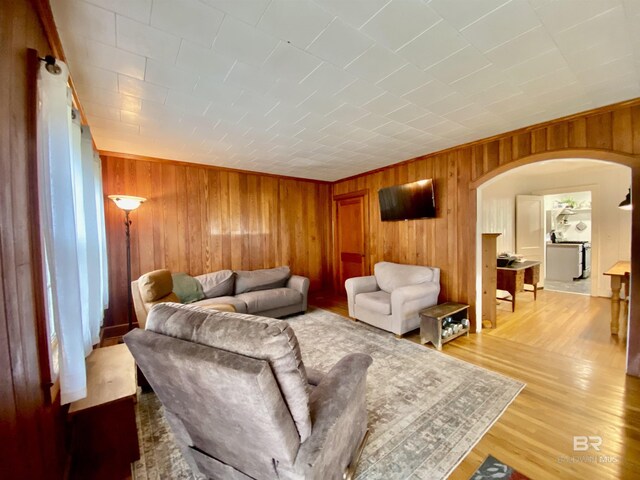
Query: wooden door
[(351, 242), (530, 229)]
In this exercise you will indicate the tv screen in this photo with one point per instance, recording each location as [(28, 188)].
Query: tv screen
[(408, 201)]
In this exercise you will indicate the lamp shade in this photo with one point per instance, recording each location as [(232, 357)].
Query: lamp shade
[(127, 202), (626, 203)]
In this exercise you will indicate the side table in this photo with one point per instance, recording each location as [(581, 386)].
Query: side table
[(431, 322)]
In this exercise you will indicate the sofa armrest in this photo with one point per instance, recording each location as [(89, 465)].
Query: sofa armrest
[(338, 410), (300, 284), (357, 285), (413, 298)]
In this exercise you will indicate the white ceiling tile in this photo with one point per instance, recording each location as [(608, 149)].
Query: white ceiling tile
[(103, 111), (211, 89), (237, 40), (375, 64), (354, 12), (290, 62), (289, 92), (560, 15), (537, 67), (550, 81), (115, 59), (340, 43), (144, 90), (203, 60), (429, 93), (391, 128), (501, 25), (404, 80), (407, 113), (246, 76), (191, 20), (166, 75), (347, 113), (371, 121), (425, 122), (527, 45), (225, 112), (479, 81), (400, 21), (314, 121), (298, 22), (462, 63), (248, 11), (498, 91), (284, 112), (147, 41), (320, 104), (460, 13), (187, 102), (89, 76), (86, 20), (384, 104), (581, 36), (434, 45), (448, 104), (327, 79), (112, 126), (359, 93), (254, 102), (139, 10), (309, 135)]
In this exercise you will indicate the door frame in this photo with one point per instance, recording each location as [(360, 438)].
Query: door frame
[(334, 219)]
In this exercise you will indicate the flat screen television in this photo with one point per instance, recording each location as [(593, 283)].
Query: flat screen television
[(408, 201)]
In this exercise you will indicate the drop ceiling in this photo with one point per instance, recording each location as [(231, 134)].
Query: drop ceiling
[(326, 89)]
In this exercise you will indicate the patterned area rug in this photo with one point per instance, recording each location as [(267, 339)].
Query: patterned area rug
[(427, 410)]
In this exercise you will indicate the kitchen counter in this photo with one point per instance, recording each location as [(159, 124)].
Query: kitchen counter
[(564, 261)]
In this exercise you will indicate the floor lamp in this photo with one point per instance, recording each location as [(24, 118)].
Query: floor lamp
[(128, 203)]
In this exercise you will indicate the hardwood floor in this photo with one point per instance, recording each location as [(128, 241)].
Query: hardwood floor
[(560, 346)]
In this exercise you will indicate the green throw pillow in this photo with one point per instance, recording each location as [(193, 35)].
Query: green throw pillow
[(187, 288)]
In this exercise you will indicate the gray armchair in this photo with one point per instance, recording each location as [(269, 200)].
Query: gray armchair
[(392, 298), (240, 401)]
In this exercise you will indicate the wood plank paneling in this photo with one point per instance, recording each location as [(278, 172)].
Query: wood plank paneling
[(201, 219), (32, 432), (448, 241)]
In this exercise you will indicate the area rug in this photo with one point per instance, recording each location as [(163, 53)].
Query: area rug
[(427, 410), (492, 468)]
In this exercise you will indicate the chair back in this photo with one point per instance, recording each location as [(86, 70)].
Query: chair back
[(233, 386)]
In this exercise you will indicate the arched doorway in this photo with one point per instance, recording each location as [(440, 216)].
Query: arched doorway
[(633, 337)]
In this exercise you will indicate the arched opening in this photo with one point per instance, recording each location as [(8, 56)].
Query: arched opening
[(613, 159)]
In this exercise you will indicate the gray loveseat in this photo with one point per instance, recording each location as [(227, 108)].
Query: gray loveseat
[(240, 401), (271, 292)]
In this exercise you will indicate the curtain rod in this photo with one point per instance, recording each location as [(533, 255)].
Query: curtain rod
[(51, 66)]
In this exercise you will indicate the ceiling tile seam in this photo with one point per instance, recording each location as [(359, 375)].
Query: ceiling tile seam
[(486, 15), (148, 26)]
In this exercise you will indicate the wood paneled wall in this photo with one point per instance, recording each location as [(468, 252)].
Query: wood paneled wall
[(32, 430), (201, 219), (449, 241)]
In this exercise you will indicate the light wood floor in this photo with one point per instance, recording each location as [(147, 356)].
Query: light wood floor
[(560, 347)]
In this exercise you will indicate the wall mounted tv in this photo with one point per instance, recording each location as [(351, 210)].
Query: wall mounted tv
[(408, 201)]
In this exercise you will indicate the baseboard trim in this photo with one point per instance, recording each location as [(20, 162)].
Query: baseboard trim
[(116, 330)]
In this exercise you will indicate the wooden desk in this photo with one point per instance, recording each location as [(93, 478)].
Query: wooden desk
[(513, 278), (620, 274), (104, 435)]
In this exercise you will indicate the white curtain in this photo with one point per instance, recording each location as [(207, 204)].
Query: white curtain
[(72, 226)]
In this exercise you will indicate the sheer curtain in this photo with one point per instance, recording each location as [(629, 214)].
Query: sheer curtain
[(73, 233)]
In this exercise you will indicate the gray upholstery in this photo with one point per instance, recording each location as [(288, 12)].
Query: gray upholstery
[(264, 300), (379, 302), (235, 393), (265, 279), (217, 284), (393, 297)]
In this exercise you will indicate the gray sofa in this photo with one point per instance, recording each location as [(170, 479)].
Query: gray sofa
[(272, 292), (241, 402), (392, 298)]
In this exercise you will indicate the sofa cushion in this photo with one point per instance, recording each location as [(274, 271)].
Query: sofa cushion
[(257, 337), (390, 276), (187, 288), (264, 300), (237, 303), (379, 302), (255, 280), (155, 285), (217, 284)]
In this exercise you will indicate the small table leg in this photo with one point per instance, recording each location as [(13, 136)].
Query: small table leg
[(535, 292), (622, 330), (615, 303)]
